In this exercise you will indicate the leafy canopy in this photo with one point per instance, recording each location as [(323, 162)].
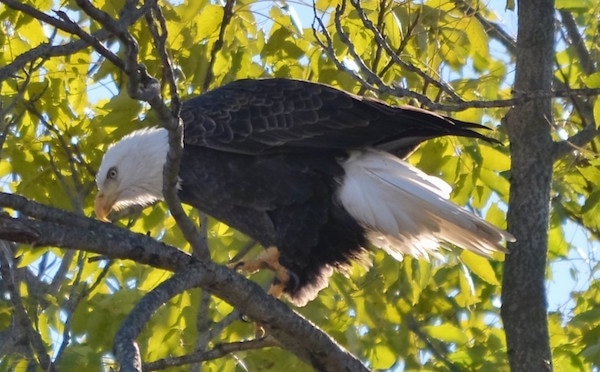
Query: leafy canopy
[(62, 112)]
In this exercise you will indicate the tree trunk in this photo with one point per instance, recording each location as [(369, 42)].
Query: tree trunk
[(529, 126)]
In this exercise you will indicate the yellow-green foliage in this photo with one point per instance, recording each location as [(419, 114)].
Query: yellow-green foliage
[(62, 112)]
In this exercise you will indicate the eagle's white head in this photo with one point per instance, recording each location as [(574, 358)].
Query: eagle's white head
[(131, 172)]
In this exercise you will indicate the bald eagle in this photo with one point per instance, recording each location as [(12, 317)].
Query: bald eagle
[(313, 173)]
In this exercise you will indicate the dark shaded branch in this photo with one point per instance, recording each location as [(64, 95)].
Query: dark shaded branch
[(70, 231), (288, 328)]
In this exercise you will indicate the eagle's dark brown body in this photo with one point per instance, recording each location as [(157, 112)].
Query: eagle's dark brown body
[(263, 157)]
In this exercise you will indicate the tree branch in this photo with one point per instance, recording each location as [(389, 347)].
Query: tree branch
[(585, 59), (376, 85), (48, 50), (407, 66), (218, 45), (285, 326), (219, 351), (69, 231), (583, 107), (413, 325), (19, 312), (175, 127)]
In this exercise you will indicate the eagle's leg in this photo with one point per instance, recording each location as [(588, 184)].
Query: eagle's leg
[(267, 259)]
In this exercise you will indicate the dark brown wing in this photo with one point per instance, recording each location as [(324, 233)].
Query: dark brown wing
[(283, 115)]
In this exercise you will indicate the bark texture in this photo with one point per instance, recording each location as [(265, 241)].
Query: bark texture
[(524, 309)]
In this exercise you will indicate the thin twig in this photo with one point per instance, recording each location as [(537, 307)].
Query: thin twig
[(20, 314), (219, 351), (327, 46), (390, 51), (218, 45), (370, 76), (203, 323), (412, 324), (47, 50)]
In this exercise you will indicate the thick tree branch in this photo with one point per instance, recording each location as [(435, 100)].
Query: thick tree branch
[(288, 328), (67, 230)]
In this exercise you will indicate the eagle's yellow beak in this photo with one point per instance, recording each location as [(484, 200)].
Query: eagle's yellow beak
[(102, 207)]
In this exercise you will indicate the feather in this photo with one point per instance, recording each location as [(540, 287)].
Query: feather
[(406, 211)]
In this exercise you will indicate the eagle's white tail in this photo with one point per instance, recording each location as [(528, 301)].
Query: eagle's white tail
[(406, 211)]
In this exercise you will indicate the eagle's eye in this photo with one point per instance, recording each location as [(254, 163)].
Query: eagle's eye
[(112, 173)]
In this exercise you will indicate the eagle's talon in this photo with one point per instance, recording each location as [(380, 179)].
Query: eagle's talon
[(236, 266), (259, 331)]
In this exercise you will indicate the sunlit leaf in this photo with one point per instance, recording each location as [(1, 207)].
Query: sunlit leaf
[(447, 333), (480, 266)]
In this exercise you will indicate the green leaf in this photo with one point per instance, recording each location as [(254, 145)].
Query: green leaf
[(383, 357), (27, 255), (209, 20), (479, 266), (592, 81), (447, 333), (597, 110), (573, 4)]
